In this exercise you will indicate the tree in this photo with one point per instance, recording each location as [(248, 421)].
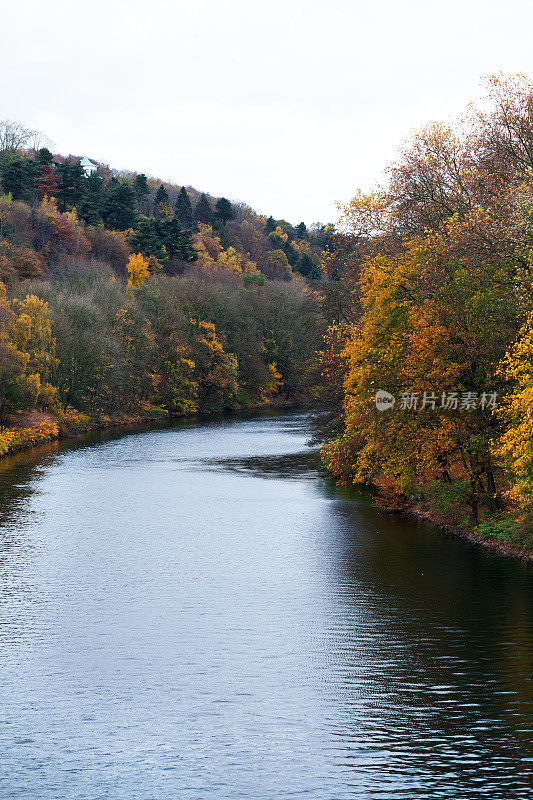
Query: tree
[(223, 211), (18, 388), (217, 370), (230, 261), (32, 334), (120, 208), (307, 267), (19, 178), (203, 212), (92, 204), (147, 241), (515, 447), (161, 200), (270, 225), (47, 184), (44, 157), (142, 189), (301, 230), (278, 266), (138, 271), (15, 136), (177, 241), (183, 209), (71, 181), (88, 354)]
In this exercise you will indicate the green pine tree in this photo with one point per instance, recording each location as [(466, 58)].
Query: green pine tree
[(71, 184), (142, 190), (120, 208), (147, 241), (307, 267), (183, 209), (19, 178), (223, 211), (93, 201), (203, 212), (161, 198), (301, 230), (270, 225), (177, 241)]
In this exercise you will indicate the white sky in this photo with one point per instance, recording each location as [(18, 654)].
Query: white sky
[(290, 106)]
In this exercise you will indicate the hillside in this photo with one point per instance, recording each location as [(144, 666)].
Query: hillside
[(172, 226), (122, 298)]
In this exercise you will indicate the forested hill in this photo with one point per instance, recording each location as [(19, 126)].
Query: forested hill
[(122, 297), (172, 226)]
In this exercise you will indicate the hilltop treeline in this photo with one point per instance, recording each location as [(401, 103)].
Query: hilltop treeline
[(171, 226), (122, 297), (439, 263)]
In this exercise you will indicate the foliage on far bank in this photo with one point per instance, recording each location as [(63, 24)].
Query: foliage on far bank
[(122, 297)]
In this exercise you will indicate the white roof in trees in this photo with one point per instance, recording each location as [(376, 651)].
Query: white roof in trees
[(88, 165)]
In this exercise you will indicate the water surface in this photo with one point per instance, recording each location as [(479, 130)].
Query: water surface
[(194, 612)]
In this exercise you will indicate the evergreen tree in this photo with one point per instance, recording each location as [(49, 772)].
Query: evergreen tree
[(203, 212), (147, 241), (183, 209), (142, 190), (120, 210), (19, 178), (301, 230), (223, 211), (177, 241), (71, 179), (161, 198), (307, 267), (270, 225), (92, 204), (44, 157)]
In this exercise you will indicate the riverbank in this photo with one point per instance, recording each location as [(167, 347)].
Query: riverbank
[(35, 428), (473, 534)]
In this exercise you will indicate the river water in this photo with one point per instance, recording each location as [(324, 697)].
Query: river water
[(195, 612)]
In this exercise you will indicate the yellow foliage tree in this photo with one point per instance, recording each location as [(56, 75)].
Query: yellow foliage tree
[(230, 261), (138, 271)]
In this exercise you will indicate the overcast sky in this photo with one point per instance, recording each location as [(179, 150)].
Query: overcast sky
[(289, 106)]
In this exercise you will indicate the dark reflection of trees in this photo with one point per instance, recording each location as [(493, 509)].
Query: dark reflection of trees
[(306, 464), (450, 656), (19, 475)]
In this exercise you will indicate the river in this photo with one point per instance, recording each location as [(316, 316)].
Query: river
[(195, 612)]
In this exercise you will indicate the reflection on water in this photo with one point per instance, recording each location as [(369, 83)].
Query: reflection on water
[(299, 466), (195, 612)]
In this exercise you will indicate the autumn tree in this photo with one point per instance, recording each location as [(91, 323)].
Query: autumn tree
[(15, 136), (19, 387), (46, 184), (138, 271), (278, 266)]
